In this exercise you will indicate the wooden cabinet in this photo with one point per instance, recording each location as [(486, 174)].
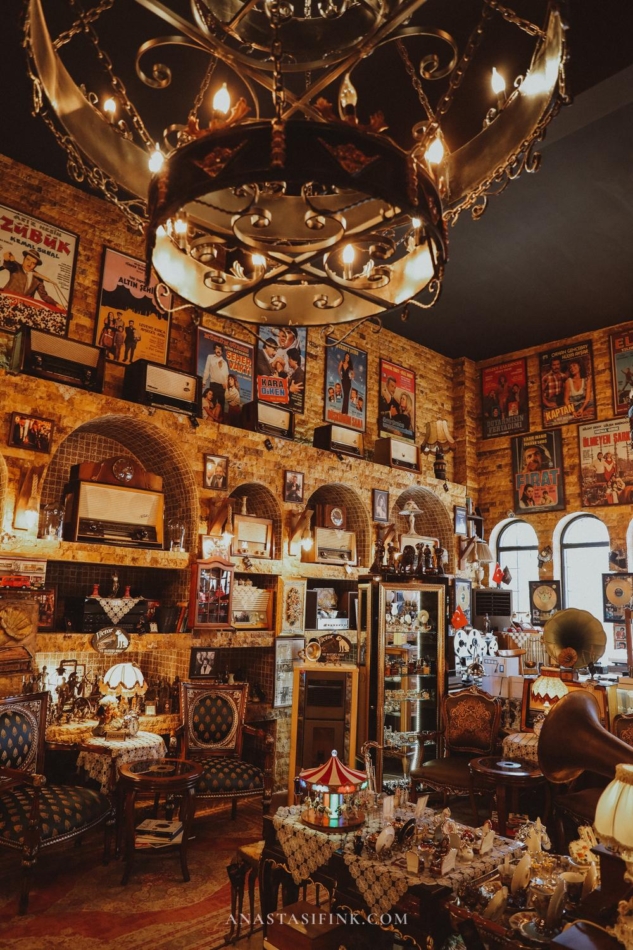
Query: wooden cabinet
[(210, 602)]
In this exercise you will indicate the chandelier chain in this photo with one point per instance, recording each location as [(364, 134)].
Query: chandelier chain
[(530, 28), (202, 91), (279, 98), (81, 23), (415, 79)]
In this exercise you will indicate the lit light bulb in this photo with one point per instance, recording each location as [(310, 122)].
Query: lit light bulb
[(222, 100), (180, 226), (435, 152), (415, 223), (306, 541), (348, 260), (498, 82), (227, 537), (109, 107), (156, 160), (258, 260), (347, 97)]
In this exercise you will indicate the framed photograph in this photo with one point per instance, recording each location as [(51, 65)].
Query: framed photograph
[(201, 662), (567, 385), (545, 601), (606, 470), (216, 472), (291, 605), (621, 346), (537, 472), (345, 390), (7, 339), (396, 402), (46, 600), (380, 505), (619, 636), (31, 432), (504, 399), (130, 324), (22, 572), (617, 595), (37, 271), (227, 370), (287, 651), (460, 521), (280, 366), (462, 596), (293, 486)]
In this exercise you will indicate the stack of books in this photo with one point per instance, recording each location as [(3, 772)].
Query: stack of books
[(156, 833)]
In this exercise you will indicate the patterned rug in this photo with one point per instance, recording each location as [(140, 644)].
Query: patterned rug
[(78, 904)]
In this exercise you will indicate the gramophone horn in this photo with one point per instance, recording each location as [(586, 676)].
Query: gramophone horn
[(577, 635), (573, 739)]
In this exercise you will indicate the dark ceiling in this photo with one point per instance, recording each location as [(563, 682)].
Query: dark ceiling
[(551, 257)]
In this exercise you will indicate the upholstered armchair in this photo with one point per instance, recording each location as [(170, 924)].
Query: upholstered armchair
[(33, 814), (213, 731), (471, 720)]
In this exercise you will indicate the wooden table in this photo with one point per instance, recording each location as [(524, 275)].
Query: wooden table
[(158, 778), (502, 774)]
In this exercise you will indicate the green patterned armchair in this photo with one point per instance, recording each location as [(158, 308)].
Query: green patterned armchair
[(213, 729), (33, 814)]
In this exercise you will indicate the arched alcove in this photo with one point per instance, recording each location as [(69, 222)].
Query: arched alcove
[(106, 436), (433, 519), (260, 502), (357, 514)]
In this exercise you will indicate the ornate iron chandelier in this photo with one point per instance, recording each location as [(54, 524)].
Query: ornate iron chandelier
[(281, 197)]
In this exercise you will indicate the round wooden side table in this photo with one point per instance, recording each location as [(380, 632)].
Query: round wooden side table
[(502, 774), (158, 778)]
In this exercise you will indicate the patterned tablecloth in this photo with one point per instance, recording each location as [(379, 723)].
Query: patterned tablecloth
[(98, 764), (521, 745), (381, 882)]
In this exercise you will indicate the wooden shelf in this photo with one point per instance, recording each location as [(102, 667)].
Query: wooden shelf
[(150, 642), (96, 553)]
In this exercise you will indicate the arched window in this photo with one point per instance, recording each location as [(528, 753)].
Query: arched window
[(517, 549), (584, 549)]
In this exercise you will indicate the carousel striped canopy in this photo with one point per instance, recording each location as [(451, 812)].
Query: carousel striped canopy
[(333, 773)]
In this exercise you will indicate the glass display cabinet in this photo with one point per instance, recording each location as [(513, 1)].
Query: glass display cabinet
[(210, 601), (403, 678)]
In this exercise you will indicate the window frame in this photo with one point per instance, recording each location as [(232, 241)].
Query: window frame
[(563, 546), (500, 547)]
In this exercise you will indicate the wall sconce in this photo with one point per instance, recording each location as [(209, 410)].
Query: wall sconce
[(221, 521), (300, 538), (27, 509), (438, 439)]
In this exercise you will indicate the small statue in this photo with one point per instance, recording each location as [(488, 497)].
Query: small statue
[(115, 585), (391, 557), (428, 559), (420, 553), (379, 557), (441, 556), (407, 561)]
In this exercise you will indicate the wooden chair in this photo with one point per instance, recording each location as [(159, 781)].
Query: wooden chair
[(34, 815), (213, 730), (471, 721)]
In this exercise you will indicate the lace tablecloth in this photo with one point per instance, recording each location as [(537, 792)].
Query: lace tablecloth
[(381, 882), (97, 764), (521, 745)]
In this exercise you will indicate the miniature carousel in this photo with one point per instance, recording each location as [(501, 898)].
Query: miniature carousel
[(332, 801)]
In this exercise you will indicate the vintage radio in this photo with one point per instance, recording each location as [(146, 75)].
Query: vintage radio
[(270, 420), (114, 514), (153, 384), (117, 470), (397, 454), (339, 439), (332, 546), (87, 614), (55, 357)]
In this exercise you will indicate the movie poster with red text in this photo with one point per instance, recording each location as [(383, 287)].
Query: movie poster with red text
[(606, 466), (537, 472), (567, 385), (37, 269), (622, 369), (396, 402), (504, 399), (345, 385), (227, 370), (280, 366)]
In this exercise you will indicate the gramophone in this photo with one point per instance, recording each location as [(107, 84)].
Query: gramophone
[(574, 638)]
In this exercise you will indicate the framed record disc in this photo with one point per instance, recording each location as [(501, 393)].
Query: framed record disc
[(617, 595), (545, 600)]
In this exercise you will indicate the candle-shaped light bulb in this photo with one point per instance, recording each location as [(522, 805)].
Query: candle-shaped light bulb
[(258, 261), (156, 160), (347, 97), (109, 107), (348, 260), (222, 100), (435, 152), (180, 225), (498, 82)]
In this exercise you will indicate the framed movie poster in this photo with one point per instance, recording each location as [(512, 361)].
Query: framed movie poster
[(280, 366), (617, 595), (37, 270), (619, 636), (396, 402), (621, 369), (287, 650), (567, 386), (462, 596), (7, 339), (504, 399), (345, 393), (537, 472), (606, 470), (545, 601), (227, 370), (130, 325)]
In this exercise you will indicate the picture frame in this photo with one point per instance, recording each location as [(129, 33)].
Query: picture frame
[(252, 537), (287, 651), (567, 395), (396, 401), (617, 595), (380, 505), (218, 358), (130, 324), (291, 606), (621, 349), (47, 600), (293, 486), (605, 469), (215, 473), (34, 433), (280, 366), (460, 520), (49, 257), (462, 596), (345, 385), (546, 599), (7, 342), (504, 399), (201, 663), (538, 479)]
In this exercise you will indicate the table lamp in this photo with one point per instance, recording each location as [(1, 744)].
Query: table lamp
[(123, 679), (614, 826), (548, 688)]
